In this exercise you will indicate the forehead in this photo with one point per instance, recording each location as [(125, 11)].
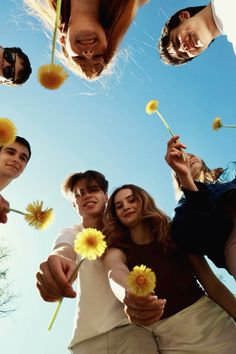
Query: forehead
[(123, 194), (18, 66), (85, 183), (21, 149)]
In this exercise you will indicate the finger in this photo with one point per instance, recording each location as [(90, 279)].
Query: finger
[(172, 140)]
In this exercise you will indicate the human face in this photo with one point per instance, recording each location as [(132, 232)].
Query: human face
[(86, 46), (127, 207), (10, 65), (189, 38), (13, 159), (89, 200), (195, 165)]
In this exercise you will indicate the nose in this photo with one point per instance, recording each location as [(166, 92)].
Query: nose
[(5, 63), (88, 53)]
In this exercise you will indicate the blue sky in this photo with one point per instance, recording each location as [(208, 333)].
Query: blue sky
[(102, 126)]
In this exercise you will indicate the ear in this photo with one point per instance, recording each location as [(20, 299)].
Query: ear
[(184, 15)]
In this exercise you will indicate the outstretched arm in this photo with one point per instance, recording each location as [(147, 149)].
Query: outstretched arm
[(215, 289), (139, 310), (174, 158), (53, 274)]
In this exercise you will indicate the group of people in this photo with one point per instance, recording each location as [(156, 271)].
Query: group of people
[(180, 316), (190, 310), (90, 33)]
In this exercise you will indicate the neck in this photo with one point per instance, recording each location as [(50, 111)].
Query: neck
[(207, 16), (96, 222), (141, 233)]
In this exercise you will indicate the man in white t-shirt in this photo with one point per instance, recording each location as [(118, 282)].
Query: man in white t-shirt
[(101, 324), (191, 30)]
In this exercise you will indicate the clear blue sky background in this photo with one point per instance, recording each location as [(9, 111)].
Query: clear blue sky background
[(102, 126)]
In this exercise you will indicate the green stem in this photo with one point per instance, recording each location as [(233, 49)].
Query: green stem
[(58, 12), (171, 132), (228, 126), (16, 211), (71, 279), (164, 122)]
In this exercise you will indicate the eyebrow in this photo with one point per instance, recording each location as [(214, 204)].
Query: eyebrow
[(10, 149), (126, 198)]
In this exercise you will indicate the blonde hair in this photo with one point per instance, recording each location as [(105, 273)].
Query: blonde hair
[(204, 175), (116, 17)]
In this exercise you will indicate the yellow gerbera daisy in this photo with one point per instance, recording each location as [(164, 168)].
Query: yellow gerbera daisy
[(7, 131), (217, 124), (51, 76), (151, 107), (141, 280), (37, 217), (90, 243)]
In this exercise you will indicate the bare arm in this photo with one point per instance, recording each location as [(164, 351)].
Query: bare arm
[(53, 274), (215, 289), (175, 160), (139, 310)]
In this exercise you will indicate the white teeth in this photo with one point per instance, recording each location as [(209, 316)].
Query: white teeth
[(199, 44)]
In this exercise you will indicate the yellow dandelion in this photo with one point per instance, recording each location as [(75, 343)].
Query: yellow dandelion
[(217, 124), (7, 131), (90, 243), (37, 217), (141, 280), (151, 107), (51, 76)]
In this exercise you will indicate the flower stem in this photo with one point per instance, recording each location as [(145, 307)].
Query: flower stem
[(228, 126), (16, 211), (168, 127), (71, 279), (58, 12)]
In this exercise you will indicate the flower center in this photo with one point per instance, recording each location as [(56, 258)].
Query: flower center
[(140, 280), (91, 241)]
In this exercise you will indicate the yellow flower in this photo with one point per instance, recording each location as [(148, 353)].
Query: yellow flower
[(141, 280), (37, 217), (90, 243), (217, 124), (7, 131), (51, 76), (151, 107)]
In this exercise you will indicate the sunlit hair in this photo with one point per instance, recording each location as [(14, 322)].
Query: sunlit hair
[(69, 184), (158, 221), (203, 174), (115, 15), (163, 44)]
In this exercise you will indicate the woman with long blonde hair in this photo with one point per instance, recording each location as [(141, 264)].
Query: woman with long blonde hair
[(90, 31)]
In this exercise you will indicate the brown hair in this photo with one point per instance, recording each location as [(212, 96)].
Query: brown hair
[(69, 184), (159, 222)]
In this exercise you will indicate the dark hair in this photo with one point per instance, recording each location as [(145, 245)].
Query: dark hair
[(172, 23), (68, 186), (24, 73), (159, 221), (23, 142)]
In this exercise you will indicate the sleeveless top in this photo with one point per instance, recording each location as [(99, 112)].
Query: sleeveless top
[(175, 281)]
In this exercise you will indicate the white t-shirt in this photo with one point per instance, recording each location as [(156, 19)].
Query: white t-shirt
[(98, 310), (224, 14)]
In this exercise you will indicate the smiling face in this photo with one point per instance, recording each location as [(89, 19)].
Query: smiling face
[(127, 207), (189, 38), (86, 44), (89, 199), (13, 160)]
